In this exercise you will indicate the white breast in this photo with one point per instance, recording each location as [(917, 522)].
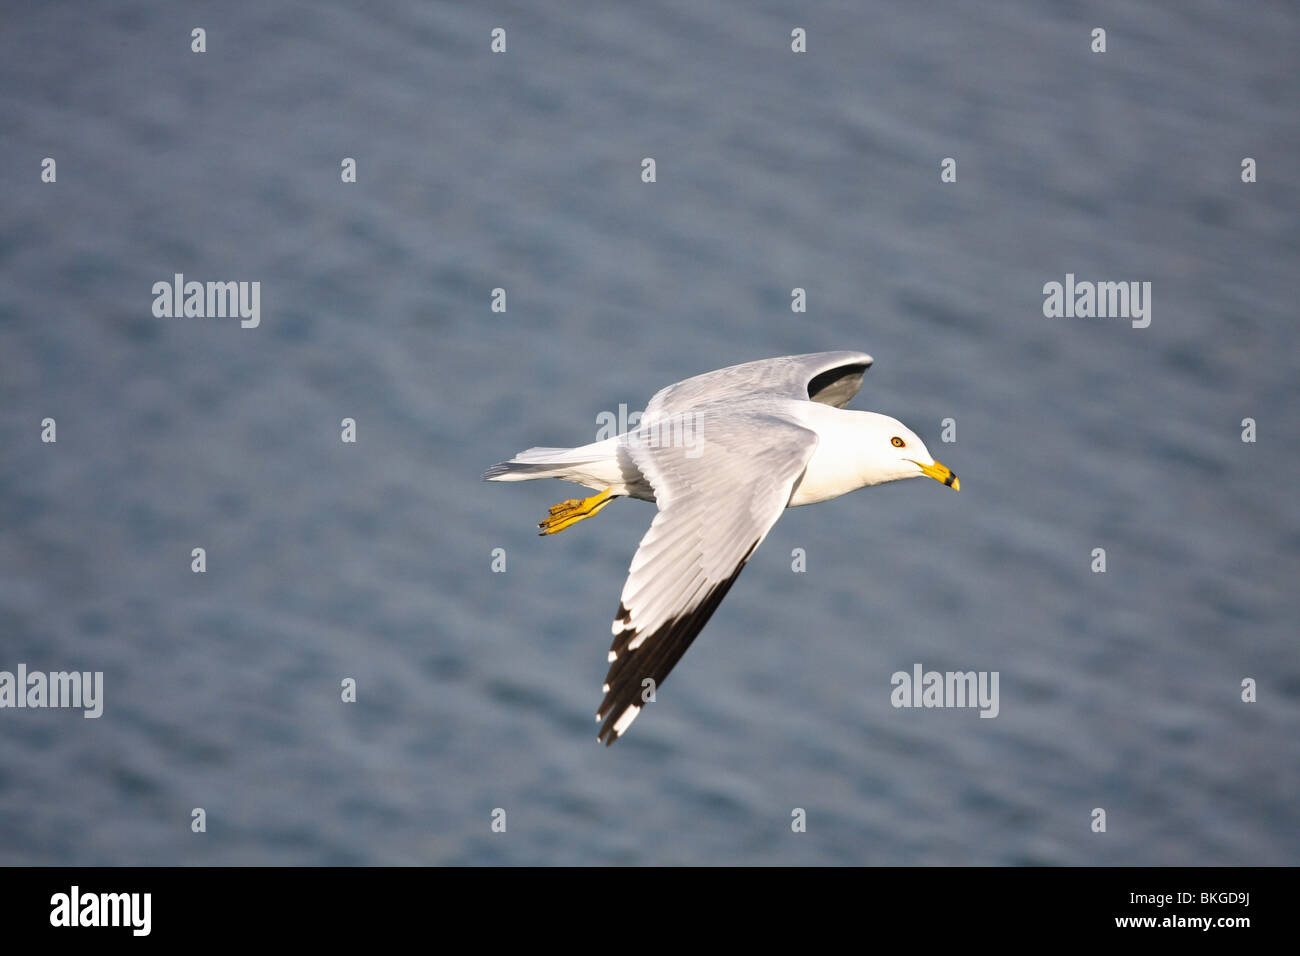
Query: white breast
[(828, 476), (836, 466)]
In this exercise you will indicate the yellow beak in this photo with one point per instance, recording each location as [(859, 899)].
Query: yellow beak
[(943, 473)]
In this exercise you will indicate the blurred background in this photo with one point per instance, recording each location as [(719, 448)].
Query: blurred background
[(775, 170)]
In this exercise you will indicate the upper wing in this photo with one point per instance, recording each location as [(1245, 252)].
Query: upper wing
[(715, 507), (831, 378)]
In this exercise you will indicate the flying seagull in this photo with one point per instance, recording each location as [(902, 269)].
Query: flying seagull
[(722, 455)]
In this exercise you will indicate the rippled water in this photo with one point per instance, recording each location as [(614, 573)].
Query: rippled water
[(372, 561)]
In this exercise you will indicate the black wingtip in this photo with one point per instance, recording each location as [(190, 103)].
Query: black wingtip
[(658, 654)]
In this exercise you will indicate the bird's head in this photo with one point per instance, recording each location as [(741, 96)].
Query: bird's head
[(897, 452)]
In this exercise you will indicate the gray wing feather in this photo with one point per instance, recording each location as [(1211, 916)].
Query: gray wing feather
[(717, 502), (835, 377)]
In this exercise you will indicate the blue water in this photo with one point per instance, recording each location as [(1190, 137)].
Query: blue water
[(476, 690)]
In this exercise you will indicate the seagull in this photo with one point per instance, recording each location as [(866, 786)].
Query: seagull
[(721, 455)]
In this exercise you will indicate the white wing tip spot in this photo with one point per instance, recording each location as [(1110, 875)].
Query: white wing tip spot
[(625, 721), (612, 657)]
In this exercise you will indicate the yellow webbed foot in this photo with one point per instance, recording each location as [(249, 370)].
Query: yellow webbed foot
[(568, 513)]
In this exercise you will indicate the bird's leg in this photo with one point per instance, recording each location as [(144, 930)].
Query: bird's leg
[(568, 513)]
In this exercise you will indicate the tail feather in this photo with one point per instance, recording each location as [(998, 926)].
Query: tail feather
[(542, 454), (540, 463), (519, 471)]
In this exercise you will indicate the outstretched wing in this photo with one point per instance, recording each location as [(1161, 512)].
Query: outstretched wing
[(718, 497), (832, 378)]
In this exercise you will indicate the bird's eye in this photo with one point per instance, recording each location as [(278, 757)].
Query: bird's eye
[(897, 442)]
